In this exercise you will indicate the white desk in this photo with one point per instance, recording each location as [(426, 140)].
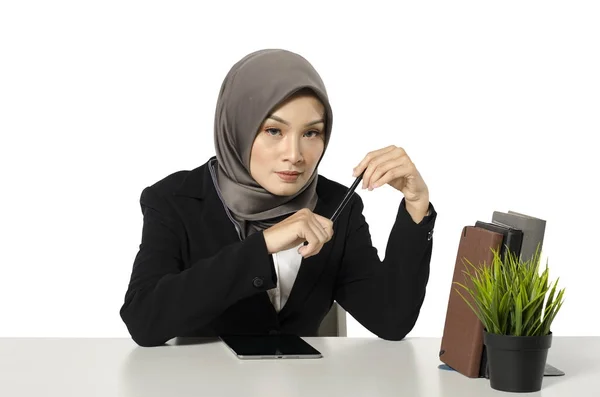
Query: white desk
[(350, 367)]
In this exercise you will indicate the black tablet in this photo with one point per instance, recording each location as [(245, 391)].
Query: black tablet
[(270, 346)]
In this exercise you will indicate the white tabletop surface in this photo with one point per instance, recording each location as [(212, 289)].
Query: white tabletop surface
[(350, 367)]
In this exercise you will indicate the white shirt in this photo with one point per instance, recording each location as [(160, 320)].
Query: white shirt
[(287, 264)]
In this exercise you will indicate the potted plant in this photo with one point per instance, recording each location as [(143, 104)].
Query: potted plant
[(517, 305)]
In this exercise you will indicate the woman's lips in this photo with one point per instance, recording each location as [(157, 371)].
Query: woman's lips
[(288, 176)]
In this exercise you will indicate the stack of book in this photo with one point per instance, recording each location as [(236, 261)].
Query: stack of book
[(462, 347)]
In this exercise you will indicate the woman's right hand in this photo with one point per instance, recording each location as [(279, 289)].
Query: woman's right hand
[(302, 226)]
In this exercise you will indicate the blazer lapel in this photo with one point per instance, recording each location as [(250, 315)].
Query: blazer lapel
[(199, 188)]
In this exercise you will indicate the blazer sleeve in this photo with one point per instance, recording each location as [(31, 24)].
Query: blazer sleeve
[(386, 296), (163, 300)]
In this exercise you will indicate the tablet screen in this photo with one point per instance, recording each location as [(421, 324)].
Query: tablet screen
[(270, 346)]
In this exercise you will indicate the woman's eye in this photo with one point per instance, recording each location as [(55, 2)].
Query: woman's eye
[(273, 131), (315, 133)]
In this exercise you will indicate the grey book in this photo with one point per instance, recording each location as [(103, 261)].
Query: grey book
[(533, 230), (533, 234)]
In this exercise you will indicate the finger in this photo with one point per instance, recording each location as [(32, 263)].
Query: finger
[(327, 225), (312, 239), (370, 156), (403, 171), (321, 222), (321, 234), (319, 230), (376, 162), (324, 234), (383, 168), (316, 240)]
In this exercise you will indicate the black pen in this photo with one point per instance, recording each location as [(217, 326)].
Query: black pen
[(346, 199)]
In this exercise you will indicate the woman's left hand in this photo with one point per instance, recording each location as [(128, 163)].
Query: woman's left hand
[(392, 165)]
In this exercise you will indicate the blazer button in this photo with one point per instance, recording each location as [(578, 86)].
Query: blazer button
[(257, 282), (429, 235), (274, 332)]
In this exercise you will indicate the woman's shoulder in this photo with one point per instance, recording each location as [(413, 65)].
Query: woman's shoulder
[(171, 182), (182, 182)]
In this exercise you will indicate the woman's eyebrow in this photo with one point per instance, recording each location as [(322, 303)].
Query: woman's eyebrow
[(279, 119)]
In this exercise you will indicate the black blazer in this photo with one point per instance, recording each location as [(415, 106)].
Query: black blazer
[(192, 276)]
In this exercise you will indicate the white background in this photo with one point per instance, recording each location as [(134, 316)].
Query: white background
[(497, 103)]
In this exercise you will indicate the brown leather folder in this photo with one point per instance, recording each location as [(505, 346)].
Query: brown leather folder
[(462, 338)]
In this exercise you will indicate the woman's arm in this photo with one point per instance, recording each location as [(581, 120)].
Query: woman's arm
[(386, 297), (163, 301)]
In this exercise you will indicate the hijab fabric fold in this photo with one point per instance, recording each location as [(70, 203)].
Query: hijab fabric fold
[(254, 86)]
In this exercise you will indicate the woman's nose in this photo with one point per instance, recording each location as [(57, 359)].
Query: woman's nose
[(293, 150)]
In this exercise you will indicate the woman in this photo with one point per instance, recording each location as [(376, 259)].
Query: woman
[(222, 246)]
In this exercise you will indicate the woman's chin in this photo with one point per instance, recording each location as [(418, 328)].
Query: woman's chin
[(284, 188)]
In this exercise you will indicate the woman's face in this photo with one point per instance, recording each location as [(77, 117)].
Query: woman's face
[(290, 140)]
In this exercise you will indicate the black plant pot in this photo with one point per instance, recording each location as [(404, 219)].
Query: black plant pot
[(516, 363)]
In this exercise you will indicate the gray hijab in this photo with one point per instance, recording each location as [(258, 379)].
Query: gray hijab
[(254, 86)]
